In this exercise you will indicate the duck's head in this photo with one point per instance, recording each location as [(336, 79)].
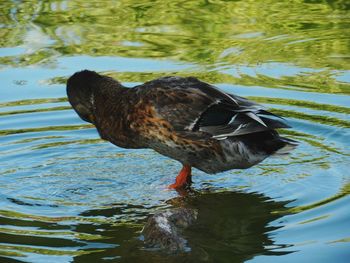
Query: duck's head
[(81, 88)]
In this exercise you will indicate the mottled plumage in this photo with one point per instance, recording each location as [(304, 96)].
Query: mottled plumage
[(182, 118)]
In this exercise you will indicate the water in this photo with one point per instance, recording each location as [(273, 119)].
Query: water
[(67, 196)]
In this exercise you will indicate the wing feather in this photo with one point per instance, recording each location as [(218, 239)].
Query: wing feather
[(244, 118), (191, 105)]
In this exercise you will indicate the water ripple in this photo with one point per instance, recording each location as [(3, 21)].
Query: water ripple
[(66, 195)]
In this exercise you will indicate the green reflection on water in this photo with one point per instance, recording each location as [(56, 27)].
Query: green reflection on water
[(44, 251), (42, 233), (49, 128), (9, 253), (35, 110), (312, 117), (344, 191), (212, 34), (32, 101), (56, 144), (301, 103)]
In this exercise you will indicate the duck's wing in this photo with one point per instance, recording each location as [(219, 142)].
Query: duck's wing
[(243, 118), (192, 105)]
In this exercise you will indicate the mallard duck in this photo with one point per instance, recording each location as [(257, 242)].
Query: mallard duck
[(182, 118)]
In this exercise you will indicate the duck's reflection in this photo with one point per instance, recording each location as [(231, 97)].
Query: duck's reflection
[(230, 227)]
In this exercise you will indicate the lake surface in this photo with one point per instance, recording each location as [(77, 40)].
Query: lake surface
[(67, 196)]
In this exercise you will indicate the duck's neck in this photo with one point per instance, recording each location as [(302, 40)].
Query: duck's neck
[(108, 88), (112, 105)]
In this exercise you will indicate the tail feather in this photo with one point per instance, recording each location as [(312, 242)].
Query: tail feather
[(269, 142)]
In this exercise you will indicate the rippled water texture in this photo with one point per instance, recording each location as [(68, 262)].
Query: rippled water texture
[(66, 195)]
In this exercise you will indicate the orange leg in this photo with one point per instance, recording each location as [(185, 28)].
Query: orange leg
[(183, 179)]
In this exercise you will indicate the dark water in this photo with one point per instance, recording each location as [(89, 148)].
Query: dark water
[(67, 196)]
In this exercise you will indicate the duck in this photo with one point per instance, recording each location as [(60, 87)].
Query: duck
[(183, 118)]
